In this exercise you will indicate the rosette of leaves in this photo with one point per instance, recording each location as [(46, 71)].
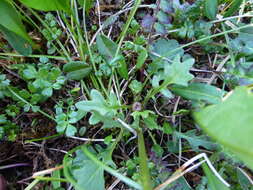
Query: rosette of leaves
[(101, 109)]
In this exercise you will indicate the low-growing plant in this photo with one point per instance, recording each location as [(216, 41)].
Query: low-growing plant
[(147, 95)]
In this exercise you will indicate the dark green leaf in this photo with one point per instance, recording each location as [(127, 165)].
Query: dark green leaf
[(233, 8), (77, 70), (107, 48), (199, 92), (211, 7), (21, 45), (88, 5), (244, 181), (196, 141), (13, 28)]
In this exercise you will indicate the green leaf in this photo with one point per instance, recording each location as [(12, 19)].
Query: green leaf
[(196, 141), (87, 173), (47, 92), (88, 5), (242, 44), (199, 92), (13, 28), (163, 46), (234, 7), (107, 48), (47, 5), (213, 182), (244, 181), (10, 19), (107, 120), (211, 7), (98, 104), (77, 70), (230, 123), (30, 72), (178, 72), (20, 44), (135, 86), (71, 130), (142, 56)]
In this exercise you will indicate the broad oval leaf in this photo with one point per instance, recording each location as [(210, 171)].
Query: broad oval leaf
[(77, 70), (20, 44), (230, 123), (199, 92), (211, 7), (13, 28), (47, 5), (107, 48), (88, 175)]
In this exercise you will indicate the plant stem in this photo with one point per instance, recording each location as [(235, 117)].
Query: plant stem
[(51, 179), (90, 52), (203, 39), (26, 102), (124, 31), (49, 29), (113, 172), (44, 138), (34, 56), (144, 171)]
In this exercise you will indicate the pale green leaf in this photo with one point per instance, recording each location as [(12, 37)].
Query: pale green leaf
[(178, 72), (99, 104), (88, 174), (230, 123)]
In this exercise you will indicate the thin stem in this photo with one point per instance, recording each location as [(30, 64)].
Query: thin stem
[(49, 29), (113, 172), (123, 33), (203, 39), (51, 179), (34, 56), (90, 52), (26, 102)]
